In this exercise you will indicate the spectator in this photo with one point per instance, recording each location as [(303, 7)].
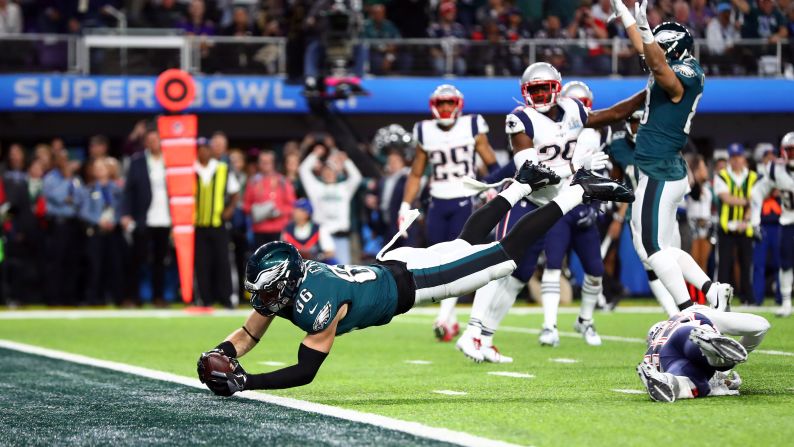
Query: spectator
[(762, 20), (698, 206), (381, 56), (514, 32), (448, 28), (493, 56), (134, 142), (269, 198), (219, 146), (590, 58), (60, 191), (391, 188), (10, 18), (99, 213), (197, 23), (601, 10), (494, 11), (552, 29), (164, 14), (239, 226), (312, 240), (241, 24), (331, 197), (681, 15), (20, 243), (292, 162), (766, 250), (733, 187), (723, 32), (147, 216), (700, 15), (216, 200)]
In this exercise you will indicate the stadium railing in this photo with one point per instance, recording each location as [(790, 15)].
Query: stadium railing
[(139, 52)]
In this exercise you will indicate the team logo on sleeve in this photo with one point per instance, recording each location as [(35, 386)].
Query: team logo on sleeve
[(322, 318), (684, 70)]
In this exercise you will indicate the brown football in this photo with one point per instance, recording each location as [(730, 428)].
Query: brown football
[(215, 361)]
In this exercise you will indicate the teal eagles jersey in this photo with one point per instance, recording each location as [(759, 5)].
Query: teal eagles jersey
[(665, 125), (621, 149), (369, 291)]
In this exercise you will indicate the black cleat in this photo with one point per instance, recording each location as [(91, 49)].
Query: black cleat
[(601, 188), (536, 175)]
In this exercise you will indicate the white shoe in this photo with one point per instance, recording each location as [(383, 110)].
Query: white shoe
[(549, 337), (587, 329), (720, 296), (784, 311), (720, 351), (492, 355), (660, 386), (470, 347)]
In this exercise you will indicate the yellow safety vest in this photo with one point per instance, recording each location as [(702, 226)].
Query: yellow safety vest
[(734, 212), (211, 198)]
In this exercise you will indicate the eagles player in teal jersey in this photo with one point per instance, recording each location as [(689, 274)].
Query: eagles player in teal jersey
[(672, 95), (327, 301)]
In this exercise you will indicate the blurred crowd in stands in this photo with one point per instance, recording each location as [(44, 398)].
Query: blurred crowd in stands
[(88, 223), (492, 31)]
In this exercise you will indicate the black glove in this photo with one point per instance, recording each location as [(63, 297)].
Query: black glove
[(200, 364), (226, 384)]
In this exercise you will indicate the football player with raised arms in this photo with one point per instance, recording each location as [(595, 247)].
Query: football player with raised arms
[(450, 143), (689, 356), (674, 89), (545, 130), (780, 176), (327, 301)]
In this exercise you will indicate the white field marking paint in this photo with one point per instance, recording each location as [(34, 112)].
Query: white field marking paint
[(464, 310), (450, 392), (511, 374), (768, 352), (271, 363), (624, 391), (131, 313), (419, 362), (563, 360), (413, 428)]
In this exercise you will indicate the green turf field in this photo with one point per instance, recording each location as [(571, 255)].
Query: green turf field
[(561, 404)]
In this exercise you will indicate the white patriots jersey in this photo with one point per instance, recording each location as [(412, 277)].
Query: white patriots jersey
[(780, 176), (451, 154), (554, 141), (689, 317)]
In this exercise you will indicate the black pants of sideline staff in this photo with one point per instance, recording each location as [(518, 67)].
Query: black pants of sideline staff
[(213, 270), (733, 247)]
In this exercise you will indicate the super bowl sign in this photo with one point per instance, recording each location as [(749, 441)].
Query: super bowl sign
[(101, 93)]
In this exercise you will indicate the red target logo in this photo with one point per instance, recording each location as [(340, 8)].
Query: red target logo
[(175, 90)]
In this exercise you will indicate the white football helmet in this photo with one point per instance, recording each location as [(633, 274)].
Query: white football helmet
[(578, 90), (787, 148), (446, 92), (540, 85)]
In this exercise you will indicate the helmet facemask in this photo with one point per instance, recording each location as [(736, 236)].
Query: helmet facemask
[(269, 296), (541, 95), (446, 116)]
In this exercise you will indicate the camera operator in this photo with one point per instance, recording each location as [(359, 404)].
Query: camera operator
[(331, 28)]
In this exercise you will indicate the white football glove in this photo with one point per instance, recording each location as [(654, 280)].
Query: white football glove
[(593, 162), (402, 215), (619, 10), (641, 16)]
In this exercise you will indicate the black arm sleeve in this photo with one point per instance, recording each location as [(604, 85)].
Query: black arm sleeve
[(309, 362)]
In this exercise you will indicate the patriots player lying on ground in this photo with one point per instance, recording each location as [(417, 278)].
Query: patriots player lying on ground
[(327, 301), (689, 357)]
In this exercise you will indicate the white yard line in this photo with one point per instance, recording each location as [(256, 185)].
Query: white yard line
[(618, 390), (564, 360), (450, 392), (414, 428), (511, 374), (419, 362)]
